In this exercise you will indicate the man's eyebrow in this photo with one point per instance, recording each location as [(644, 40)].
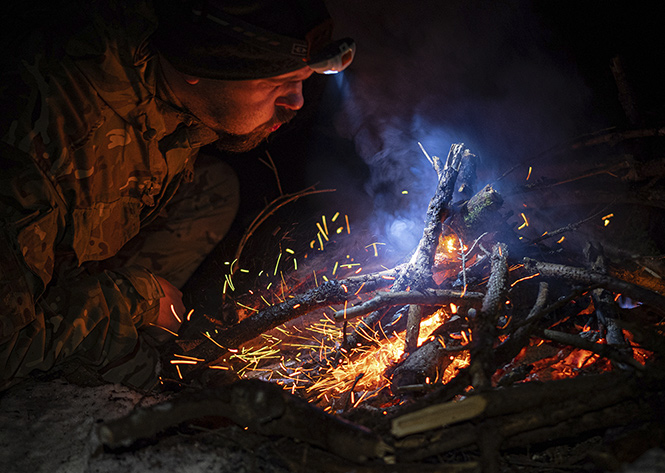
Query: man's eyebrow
[(293, 77)]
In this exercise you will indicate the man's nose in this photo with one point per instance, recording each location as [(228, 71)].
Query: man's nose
[(292, 98)]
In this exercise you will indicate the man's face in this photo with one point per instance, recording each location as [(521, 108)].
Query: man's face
[(243, 113)]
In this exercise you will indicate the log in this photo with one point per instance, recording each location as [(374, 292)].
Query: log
[(534, 407), (262, 407), (584, 276), (431, 358)]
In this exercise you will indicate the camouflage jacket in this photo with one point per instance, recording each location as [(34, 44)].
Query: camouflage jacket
[(92, 144)]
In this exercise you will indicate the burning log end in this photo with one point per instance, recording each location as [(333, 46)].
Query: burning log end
[(424, 362), (438, 416)]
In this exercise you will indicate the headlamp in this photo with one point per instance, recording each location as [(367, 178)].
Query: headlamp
[(333, 58)]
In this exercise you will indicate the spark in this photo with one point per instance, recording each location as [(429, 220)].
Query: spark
[(528, 175), (184, 362), (334, 217), (524, 279), (359, 289), (165, 329), (322, 232), (189, 315), (289, 251), (405, 192), (526, 222), (560, 240), (335, 267), (374, 245), (279, 257), (228, 278), (205, 334), (325, 225), (348, 227), (175, 314), (185, 357), (247, 307)]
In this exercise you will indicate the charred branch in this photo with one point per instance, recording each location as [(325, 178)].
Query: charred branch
[(418, 271), (619, 356), (431, 358), (584, 276), (424, 297), (484, 324), (264, 408)]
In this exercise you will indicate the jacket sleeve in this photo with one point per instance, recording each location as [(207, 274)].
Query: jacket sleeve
[(52, 308)]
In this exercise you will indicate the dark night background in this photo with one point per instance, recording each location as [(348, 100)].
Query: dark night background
[(510, 79)]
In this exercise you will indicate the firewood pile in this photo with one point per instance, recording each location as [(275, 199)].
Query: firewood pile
[(534, 348)]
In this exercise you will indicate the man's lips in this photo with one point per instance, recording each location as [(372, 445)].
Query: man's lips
[(275, 127)]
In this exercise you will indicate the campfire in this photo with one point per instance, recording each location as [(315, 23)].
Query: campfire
[(482, 342)]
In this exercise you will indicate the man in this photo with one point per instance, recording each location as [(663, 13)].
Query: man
[(104, 109)]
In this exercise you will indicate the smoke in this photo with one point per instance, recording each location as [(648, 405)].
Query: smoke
[(440, 72)]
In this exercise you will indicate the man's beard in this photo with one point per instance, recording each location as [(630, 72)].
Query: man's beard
[(247, 142)]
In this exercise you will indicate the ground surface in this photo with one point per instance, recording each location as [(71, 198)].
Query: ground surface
[(49, 427)]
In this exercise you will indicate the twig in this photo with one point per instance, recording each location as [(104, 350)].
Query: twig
[(270, 209), (424, 297)]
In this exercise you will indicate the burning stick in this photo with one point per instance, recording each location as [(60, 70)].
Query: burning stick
[(418, 271), (432, 358), (607, 351), (424, 297), (484, 326), (331, 292), (603, 300)]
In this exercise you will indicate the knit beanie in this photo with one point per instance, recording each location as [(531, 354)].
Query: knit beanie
[(240, 39)]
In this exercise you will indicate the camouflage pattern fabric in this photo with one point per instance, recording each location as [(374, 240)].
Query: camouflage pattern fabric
[(93, 146)]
